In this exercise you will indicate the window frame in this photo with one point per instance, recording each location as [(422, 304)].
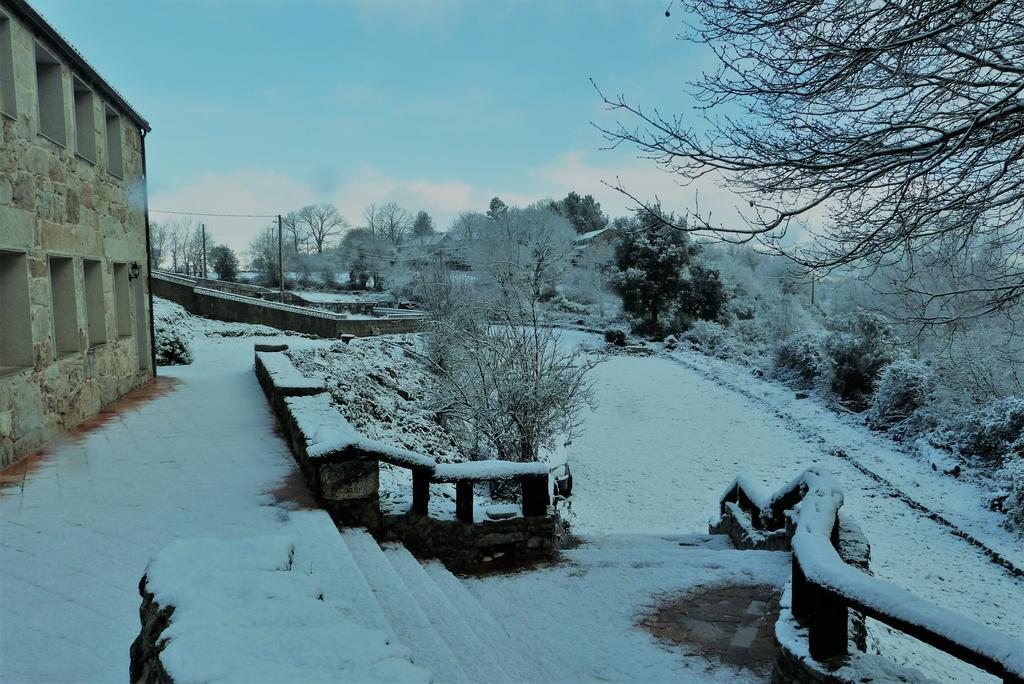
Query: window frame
[(88, 135), (95, 302), (115, 142), (16, 353), (52, 64), (8, 86), (64, 329)]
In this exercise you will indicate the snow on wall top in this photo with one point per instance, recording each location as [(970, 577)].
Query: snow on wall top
[(248, 610), (492, 469), (284, 375), (327, 432)]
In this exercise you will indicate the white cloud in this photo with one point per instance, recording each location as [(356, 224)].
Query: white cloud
[(258, 191)]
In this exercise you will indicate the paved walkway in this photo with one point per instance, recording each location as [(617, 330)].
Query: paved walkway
[(734, 624), (195, 456)]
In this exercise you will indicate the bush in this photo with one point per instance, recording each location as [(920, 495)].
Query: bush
[(802, 360), (901, 393), (858, 355), (706, 336), (171, 324), (1013, 475), (994, 434), (616, 337)]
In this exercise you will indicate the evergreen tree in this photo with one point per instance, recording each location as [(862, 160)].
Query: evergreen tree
[(651, 259), (423, 226), (584, 213)]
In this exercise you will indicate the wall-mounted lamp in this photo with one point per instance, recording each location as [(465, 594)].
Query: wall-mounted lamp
[(134, 270)]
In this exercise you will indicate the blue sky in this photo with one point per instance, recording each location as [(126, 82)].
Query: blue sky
[(260, 107)]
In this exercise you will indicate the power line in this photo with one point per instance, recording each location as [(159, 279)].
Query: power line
[(200, 213)]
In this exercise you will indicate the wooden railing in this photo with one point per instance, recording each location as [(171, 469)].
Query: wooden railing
[(824, 588)]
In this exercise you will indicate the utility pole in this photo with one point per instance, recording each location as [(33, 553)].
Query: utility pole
[(205, 272), (280, 251)]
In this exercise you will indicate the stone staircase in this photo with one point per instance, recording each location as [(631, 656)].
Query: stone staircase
[(424, 607)]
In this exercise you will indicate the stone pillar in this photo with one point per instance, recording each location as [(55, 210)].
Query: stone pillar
[(350, 491)]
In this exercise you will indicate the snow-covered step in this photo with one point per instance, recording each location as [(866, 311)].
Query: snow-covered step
[(318, 532), (411, 625), (515, 660), (477, 658)]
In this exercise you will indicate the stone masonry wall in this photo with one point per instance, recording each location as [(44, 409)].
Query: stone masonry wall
[(55, 203)]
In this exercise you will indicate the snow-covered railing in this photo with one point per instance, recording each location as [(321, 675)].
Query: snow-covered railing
[(321, 437), (390, 312), (256, 301), (824, 588)]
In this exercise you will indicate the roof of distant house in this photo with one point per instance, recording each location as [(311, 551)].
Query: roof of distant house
[(85, 70), (587, 237)]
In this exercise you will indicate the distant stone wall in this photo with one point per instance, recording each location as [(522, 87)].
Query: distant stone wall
[(316, 323), (56, 203)]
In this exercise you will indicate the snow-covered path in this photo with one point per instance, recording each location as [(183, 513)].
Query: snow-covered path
[(201, 460), (669, 435)]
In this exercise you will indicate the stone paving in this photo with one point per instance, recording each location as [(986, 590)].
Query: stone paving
[(195, 456), (730, 624)]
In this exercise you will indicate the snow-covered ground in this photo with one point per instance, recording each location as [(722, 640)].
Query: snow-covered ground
[(78, 528), (670, 433)]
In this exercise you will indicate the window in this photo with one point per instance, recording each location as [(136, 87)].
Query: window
[(7, 93), (15, 320), (65, 306), (95, 309), (50, 88), (85, 122), (115, 162), (122, 300)]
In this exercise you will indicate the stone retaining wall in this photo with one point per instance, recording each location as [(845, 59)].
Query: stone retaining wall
[(252, 311), (347, 486)]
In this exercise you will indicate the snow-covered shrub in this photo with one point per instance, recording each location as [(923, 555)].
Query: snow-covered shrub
[(994, 434), (902, 393), (171, 324), (615, 336), (802, 360), (858, 353), (1013, 476), (706, 336)]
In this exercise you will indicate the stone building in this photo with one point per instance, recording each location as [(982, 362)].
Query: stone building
[(75, 308)]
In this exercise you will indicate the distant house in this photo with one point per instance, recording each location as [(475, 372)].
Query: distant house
[(595, 239), (75, 315)]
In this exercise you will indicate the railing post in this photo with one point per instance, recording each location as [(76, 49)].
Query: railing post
[(420, 490), (799, 593), (535, 495), (464, 501), (827, 635)]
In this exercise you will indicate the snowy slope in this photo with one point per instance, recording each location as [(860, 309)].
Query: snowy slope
[(669, 435)]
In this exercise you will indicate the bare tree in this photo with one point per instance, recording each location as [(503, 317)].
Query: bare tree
[(159, 237), (389, 222), (321, 222), (897, 128), (502, 380)]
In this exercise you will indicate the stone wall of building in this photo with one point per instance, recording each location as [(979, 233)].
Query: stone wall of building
[(55, 203)]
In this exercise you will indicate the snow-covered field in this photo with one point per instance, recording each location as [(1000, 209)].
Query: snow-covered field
[(670, 433)]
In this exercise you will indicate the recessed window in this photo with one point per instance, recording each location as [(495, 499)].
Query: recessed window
[(122, 300), (64, 306), (50, 88), (115, 162), (7, 96), (85, 121), (95, 307), (15, 320)]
